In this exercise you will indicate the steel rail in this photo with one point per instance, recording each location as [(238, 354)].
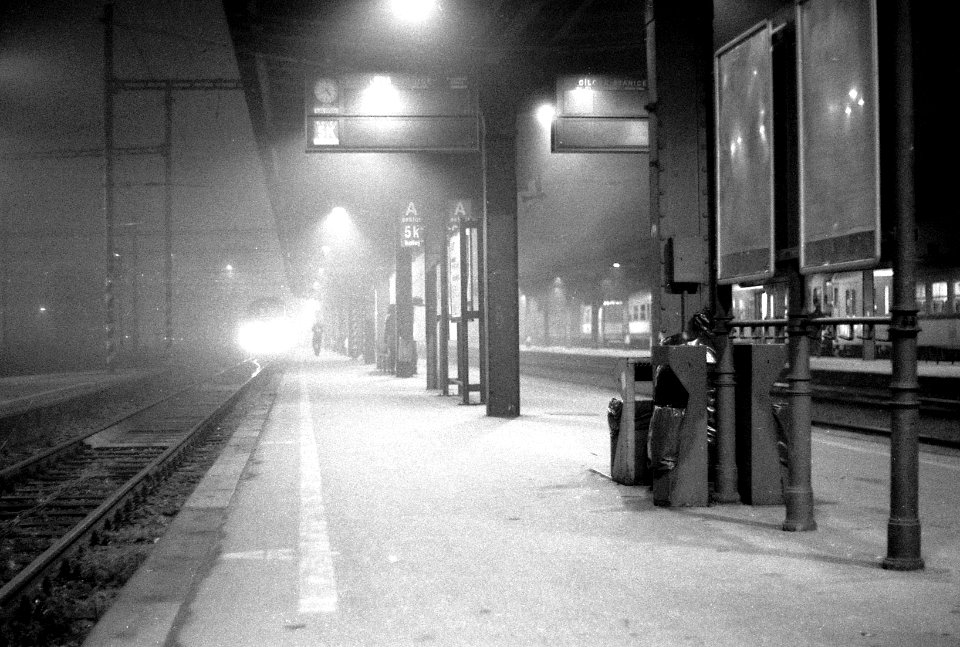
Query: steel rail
[(32, 575), (10, 473)]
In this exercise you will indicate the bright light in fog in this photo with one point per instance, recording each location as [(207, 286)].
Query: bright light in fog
[(266, 337), (413, 10), (338, 226), (380, 97), (545, 114)]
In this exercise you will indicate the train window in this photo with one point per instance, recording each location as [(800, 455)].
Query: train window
[(850, 302), (938, 297), (921, 297), (956, 297)]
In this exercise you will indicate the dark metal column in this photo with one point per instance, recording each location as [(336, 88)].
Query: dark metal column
[(432, 237), (108, 194), (869, 332), (798, 493), (726, 488), (430, 316), (903, 528), (443, 352), (168, 218), (501, 286), (404, 290)]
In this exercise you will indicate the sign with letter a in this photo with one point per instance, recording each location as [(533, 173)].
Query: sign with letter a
[(411, 226)]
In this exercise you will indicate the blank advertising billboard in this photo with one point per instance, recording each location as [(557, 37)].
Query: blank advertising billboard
[(744, 104), (839, 139)]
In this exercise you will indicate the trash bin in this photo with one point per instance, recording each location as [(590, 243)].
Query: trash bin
[(760, 470), (678, 429), (629, 463)]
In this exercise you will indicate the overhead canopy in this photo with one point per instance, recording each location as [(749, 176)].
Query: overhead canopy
[(517, 46)]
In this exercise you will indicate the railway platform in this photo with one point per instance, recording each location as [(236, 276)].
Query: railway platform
[(367, 511)]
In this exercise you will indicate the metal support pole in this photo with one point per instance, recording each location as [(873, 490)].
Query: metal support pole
[(404, 315), (168, 219), (430, 309), (903, 528), (727, 481), (444, 316), (134, 286), (798, 493), (463, 324), (869, 332), (109, 301)]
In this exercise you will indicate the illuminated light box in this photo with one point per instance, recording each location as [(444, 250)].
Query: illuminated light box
[(391, 113), (600, 113)]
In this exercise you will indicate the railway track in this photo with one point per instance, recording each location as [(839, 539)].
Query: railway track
[(59, 500)]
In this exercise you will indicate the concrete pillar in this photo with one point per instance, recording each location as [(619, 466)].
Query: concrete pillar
[(501, 287), (680, 73)]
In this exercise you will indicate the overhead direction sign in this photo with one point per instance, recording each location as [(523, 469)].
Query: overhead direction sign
[(601, 113), (391, 113)]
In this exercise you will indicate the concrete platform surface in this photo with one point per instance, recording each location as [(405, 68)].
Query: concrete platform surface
[(365, 510)]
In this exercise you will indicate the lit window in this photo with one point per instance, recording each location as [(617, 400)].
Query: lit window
[(938, 296), (921, 297), (956, 297)]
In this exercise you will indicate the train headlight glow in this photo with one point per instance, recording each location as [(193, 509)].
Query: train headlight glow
[(266, 337)]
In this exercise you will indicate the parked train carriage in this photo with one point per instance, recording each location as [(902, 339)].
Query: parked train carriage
[(938, 304)]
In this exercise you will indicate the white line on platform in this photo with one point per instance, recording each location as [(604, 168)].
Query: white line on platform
[(318, 584), (266, 554)]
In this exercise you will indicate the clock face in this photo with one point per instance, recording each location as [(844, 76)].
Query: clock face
[(325, 90)]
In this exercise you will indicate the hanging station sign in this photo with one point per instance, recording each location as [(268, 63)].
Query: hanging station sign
[(600, 114), (390, 113), (838, 135), (411, 227), (743, 76)]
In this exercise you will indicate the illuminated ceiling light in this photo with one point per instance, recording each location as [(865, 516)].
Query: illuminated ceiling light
[(413, 10), (545, 114), (616, 264), (581, 100), (380, 97), (853, 93), (229, 267), (338, 225), (43, 309)]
